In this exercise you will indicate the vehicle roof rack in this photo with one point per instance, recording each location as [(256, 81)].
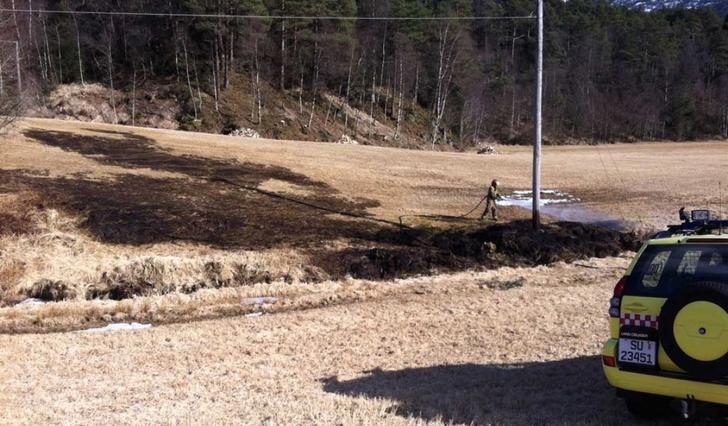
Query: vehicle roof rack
[(700, 222)]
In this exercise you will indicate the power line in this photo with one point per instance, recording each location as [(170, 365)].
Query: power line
[(274, 17)]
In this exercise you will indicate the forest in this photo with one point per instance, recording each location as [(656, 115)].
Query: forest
[(610, 73)]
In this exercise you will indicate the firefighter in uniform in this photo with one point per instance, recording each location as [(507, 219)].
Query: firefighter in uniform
[(491, 201)]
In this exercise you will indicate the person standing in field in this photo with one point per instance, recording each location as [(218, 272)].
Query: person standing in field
[(491, 198)]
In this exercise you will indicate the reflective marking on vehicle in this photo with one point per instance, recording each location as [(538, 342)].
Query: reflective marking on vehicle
[(640, 320)]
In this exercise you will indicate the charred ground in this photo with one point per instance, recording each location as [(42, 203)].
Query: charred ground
[(219, 203)]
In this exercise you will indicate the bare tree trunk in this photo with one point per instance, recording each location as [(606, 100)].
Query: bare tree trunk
[(417, 86), (257, 85), (34, 41), (214, 86), (361, 97), (348, 90), (667, 83), (2, 82), (133, 97), (300, 89), (78, 48), (30, 20), (111, 82), (444, 79), (252, 96), (215, 73), (461, 127), (349, 82), (386, 96), (60, 57), (197, 81), (317, 60), (257, 102), (15, 21), (331, 104), (49, 62), (231, 60), (399, 102), (176, 51), (384, 57), (442, 43), (189, 81), (283, 47), (371, 107)]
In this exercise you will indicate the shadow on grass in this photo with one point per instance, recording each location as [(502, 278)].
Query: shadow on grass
[(572, 391)]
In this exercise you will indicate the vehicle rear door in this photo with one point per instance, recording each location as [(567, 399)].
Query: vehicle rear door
[(646, 291)]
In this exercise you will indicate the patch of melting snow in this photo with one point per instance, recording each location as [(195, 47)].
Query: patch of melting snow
[(524, 198), (118, 327), (254, 314), (260, 301), (563, 206), (31, 301)]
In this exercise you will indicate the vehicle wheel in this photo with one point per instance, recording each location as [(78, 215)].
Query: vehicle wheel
[(694, 327), (645, 406)]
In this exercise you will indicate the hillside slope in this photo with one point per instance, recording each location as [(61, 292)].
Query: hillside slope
[(281, 115), (720, 6)]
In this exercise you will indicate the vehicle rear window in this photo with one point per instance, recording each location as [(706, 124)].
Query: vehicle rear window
[(662, 270)]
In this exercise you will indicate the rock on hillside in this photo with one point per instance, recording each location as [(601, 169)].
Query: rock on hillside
[(94, 102)]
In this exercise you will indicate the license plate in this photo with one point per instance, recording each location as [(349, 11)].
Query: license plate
[(636, 351)]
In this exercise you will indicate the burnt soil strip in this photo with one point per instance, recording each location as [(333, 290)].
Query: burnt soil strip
[(412, 252), (203, 208)]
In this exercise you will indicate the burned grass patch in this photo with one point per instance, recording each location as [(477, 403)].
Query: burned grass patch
[(224, 204), (413, 252), (216, 203)]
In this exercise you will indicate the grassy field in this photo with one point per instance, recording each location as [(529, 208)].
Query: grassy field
[(515, 346), (187, 231), (641, 181)]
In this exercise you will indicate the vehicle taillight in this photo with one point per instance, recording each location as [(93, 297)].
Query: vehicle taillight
[(609, 361), (616, 301)]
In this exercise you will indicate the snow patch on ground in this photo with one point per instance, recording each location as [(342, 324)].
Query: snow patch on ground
[(524, 198), (260, 301), (118, 327), (31, 301), (563, 206)]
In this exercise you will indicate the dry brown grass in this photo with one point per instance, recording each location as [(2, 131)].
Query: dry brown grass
[(641, 181), (241, 300), (508, 346), (425, 350), (48, 249), (43, 247)]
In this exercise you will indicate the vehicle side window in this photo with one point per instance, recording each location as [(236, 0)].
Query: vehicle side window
[(655, 268), (689, 262)]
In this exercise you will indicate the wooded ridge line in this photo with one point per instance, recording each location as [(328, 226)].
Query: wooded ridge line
[(400, 72)]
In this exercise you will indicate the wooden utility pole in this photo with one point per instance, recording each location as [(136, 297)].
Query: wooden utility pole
[(537, 124)]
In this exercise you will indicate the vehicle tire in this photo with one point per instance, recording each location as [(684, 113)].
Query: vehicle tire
[(646, 406), (704, 328)]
